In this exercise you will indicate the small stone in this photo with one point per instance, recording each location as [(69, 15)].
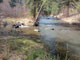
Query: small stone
[(52, 29)]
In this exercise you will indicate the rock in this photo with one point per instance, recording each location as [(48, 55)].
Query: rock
[(52, 29), (36, 30)]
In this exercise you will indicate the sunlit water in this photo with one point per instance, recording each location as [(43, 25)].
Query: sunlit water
[(55, 31)]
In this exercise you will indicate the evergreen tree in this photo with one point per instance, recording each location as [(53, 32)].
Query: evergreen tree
[(13, 3), (1, 1), (51, 6), (33, 5)]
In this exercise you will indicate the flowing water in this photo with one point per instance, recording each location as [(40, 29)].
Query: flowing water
[(58, 33)]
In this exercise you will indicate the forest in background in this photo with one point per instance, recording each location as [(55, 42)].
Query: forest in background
[(34, 9), (19, 8)]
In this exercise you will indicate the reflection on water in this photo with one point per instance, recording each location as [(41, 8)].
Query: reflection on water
[(63, 35)]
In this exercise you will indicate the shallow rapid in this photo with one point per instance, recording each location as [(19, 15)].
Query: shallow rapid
[(54, 31)]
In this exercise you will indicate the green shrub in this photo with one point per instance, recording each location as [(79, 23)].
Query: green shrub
[(40, 54)]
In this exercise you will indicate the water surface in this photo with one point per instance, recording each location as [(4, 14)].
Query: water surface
[(55, 31)]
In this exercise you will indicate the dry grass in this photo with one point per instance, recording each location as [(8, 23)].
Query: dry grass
[(26, 21)]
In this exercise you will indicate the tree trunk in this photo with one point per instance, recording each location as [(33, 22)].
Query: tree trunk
[(34, 12), (34, 9), (66, 10)]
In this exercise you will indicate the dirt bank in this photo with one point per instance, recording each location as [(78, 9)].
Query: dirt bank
[(72, 19)]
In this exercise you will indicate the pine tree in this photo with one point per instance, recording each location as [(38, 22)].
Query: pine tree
[(1, 1), (13, 3)]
